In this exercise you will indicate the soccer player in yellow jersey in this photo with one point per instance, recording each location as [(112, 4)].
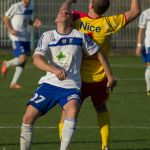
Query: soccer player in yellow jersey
[(94, 80)]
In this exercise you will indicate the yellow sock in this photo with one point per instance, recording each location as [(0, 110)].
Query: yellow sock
[(104, 125), (60, 126)]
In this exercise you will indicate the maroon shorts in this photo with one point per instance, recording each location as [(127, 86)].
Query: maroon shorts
[(98, 92)]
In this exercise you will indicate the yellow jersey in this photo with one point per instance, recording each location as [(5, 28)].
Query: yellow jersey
[(100, 30)]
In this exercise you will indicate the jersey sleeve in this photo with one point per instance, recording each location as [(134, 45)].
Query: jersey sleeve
[(89, 46), (116, 22), (142, 20), (42, 45), (11, 11)]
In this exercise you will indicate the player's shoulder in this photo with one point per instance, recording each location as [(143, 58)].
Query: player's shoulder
[(146, 11), (15, 5), (18, 4), (49, 33), (13, 8), (114, 16), (77, 33), (78, 14)]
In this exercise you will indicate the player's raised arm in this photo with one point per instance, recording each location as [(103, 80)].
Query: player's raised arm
[(66, 5), (134, 10)]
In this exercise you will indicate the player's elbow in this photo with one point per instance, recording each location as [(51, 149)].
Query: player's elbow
[(137, 12), (130, 16), (4, 18), (34, 62)]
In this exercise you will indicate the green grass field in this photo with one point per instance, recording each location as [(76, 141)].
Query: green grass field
[(128, 104)]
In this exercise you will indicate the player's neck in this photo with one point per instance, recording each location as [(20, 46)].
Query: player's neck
[(61, 29), (92, 14)]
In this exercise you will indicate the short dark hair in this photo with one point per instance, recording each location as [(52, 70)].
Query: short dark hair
[(100, 6)]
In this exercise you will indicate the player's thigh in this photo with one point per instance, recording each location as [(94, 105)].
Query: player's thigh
[(21, 48), (100, 95), (45, 98), (86, 90), (99, 100)]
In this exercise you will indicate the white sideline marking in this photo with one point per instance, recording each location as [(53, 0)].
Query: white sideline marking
[(130, 79), (127, 65), (90, 127)]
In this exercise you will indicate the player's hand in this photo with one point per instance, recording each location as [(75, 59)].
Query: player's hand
[(37, 23), (14, 32), (138, 51), (60, 73), (111, 84)]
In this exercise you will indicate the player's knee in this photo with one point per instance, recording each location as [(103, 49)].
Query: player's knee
[(72, 112), (72, 108), (22, 64), (22, 59), (28, 119)]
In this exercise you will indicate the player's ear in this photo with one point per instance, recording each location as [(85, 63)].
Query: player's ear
[(55, 20)]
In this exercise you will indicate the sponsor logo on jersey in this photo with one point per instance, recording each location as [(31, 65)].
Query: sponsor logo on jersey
[(86, 26)]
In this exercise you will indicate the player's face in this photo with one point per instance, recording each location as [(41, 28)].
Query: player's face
[(26, 2), (63, 16)]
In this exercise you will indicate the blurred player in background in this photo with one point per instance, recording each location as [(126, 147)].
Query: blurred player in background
[(59, 53), (143, 44), (94, 80), (16, 19)]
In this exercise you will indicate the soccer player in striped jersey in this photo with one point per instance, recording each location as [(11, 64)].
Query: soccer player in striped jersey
[(99, 28), (143, 44), (16, 19), (59, 53)]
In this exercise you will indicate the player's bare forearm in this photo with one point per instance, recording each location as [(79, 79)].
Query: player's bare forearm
[(140, 35), (139, 41), (40, 63), (8, 25), (66, 5), (103, 60), (134, 11)]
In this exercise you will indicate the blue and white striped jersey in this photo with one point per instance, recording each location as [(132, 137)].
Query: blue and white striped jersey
[(65, 51), (20, 17)]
